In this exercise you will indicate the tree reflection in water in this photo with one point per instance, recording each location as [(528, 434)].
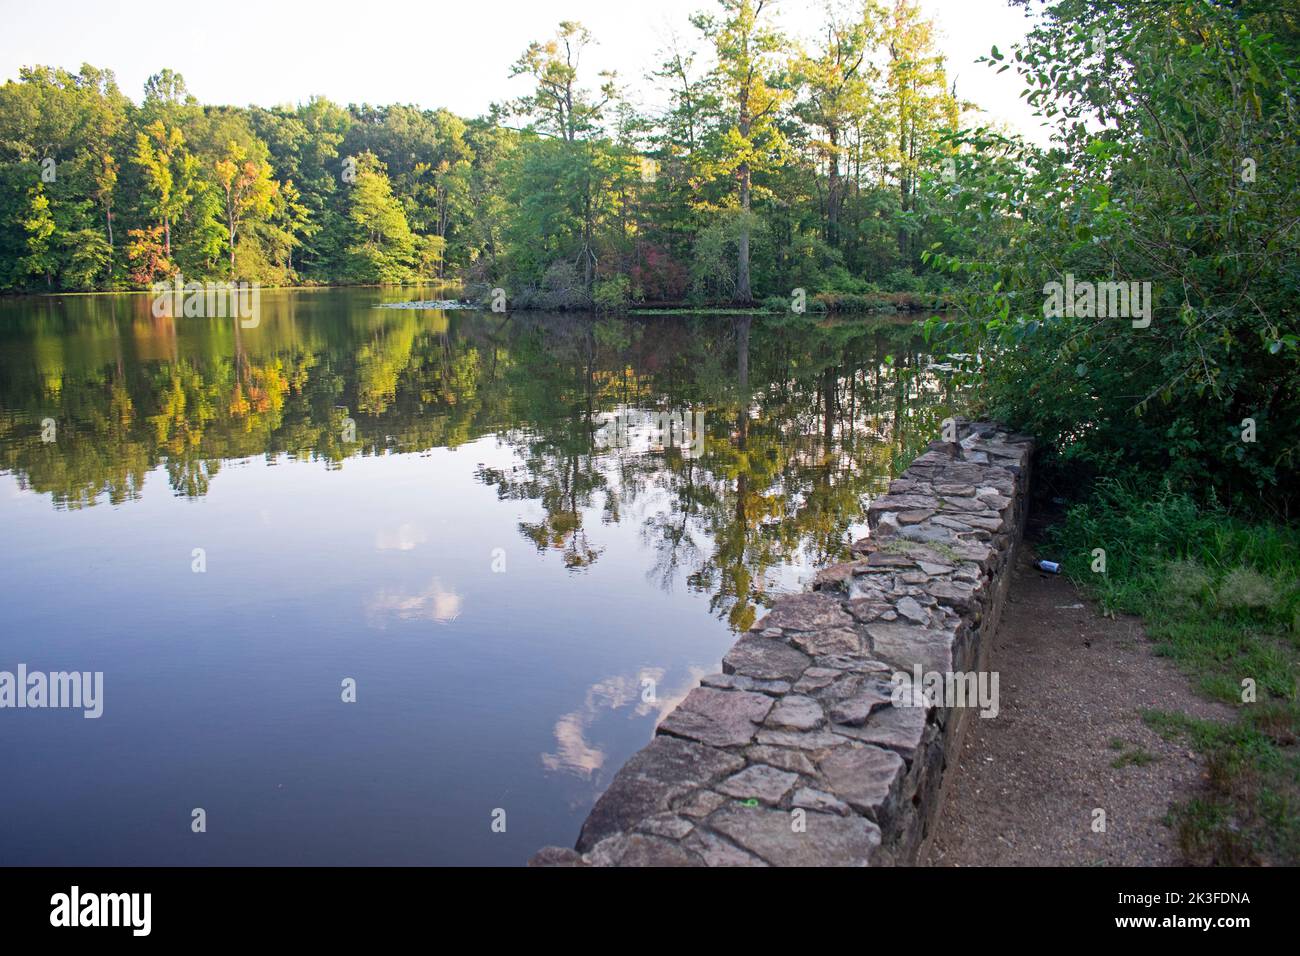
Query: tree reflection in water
[(803, 418)]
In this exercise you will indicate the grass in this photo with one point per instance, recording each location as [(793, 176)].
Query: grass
[(1135, 758), (1220, 596)]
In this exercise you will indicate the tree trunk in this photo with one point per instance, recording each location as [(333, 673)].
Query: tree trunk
[(743, 293), (833, 189), (829, 381), (742, 359)]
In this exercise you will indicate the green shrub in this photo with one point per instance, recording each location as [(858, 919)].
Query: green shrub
[(612, 294)]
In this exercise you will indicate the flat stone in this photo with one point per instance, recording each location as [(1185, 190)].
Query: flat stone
[(932, 459), (741, 682), (994, 500), (866, 609), (825, 840), (928, 534), (962, 504), (820, 801), (815, 678), (874, 590), (953, 595), (715, 851), (959, 524), (1000, 487), (869, 779), (667, 825), (911, 610), (720, 718), (837, 575), (886, 523), (888, 559), (759, 782), (664, 769), (796, 712), (932, 568), (863, 665), (846, 685), (700, 803), (915, 517), (955, 489), (899, 729), (967, 472), (765, 659), (838, 640), (906, 645), (638, 849), (855, 710), (794, 761), (988, 522), (806, 612), (973, 551), (557, 856), (903, 503), (870, 576), (919, 551), (812, 740)]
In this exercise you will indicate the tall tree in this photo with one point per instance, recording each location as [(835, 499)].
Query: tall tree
[(749, 86), (837, 80), (382, 246), (249, 191), (169, 170), (559, 104), (920, 102)]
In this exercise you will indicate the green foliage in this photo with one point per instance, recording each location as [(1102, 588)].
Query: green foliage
[(1149, 184), (382, 247), (38, 224), (89, 260), (612, 294)]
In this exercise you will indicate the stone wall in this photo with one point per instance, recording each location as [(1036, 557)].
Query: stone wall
[(806, 716)]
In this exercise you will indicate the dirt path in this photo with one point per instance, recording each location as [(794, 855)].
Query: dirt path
[(1072, 687)]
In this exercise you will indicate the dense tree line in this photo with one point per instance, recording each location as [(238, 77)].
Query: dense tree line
[(774, 165)]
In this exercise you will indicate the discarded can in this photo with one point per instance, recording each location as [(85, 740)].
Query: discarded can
[(1051, 567)]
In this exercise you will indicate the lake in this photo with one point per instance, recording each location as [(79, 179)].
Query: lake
[(363, 582)]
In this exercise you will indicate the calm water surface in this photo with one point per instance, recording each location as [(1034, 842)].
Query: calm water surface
[(445, 508)]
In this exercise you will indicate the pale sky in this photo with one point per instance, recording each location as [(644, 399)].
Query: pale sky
[(431, 53)]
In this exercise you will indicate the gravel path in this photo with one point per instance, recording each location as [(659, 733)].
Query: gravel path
[(1073, 684)]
